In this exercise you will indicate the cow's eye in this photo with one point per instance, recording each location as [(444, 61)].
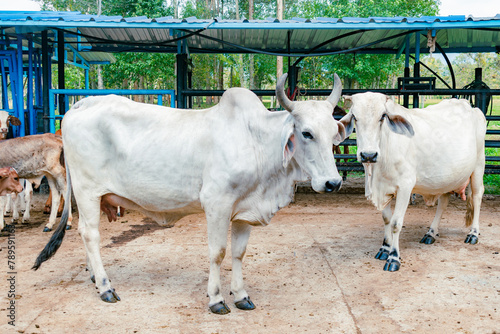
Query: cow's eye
[(383, 116), (307, 135)]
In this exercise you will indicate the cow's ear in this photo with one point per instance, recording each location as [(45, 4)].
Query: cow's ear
[(288, 141), (340, 134), (397, 123), (348, 122), (14, 120)]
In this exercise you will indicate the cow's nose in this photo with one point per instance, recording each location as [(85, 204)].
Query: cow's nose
[(331, 186), (368, 157)]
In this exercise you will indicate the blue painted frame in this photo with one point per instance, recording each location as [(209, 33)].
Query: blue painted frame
[(87, 92)]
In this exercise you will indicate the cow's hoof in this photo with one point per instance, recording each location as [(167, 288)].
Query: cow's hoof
[(245, 304), (92, 278), (471, 239), (110, 296), (220, 308), (46, 229), (427, 239), (68, 227), (392, 265), (382, 254)]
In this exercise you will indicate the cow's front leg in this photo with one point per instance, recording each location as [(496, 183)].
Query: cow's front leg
[(383, 252), (393, 261), (433, 232), (217, 243), (475, 196), (240, 232)]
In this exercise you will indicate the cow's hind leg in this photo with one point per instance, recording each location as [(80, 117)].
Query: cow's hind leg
[(475, 196), (383, 252), (88, 227), (396, 224), (55, 200), (433, 231), (3, 199), (240, 232)]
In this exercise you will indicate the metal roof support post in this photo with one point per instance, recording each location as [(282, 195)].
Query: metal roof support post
[(20, 89), (5, 94), (30, 107), (46, 82), (181, 80), (293, 74), (406, 74), (60, 71), (181, 74), (416, 67)]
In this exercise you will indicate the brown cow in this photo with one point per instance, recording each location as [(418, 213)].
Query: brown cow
[(48, 204), (34, 157)]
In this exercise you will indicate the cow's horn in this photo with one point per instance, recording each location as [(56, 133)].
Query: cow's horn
[(280, 93), (336, 91)]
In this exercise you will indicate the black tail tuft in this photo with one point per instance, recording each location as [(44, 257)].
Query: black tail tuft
[(57, 238), (54, 242)]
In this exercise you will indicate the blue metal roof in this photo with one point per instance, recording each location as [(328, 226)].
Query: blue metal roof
[(298, 36)]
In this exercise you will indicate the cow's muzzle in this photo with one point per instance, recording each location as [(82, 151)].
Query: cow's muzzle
[(331, 186), (368, 157)]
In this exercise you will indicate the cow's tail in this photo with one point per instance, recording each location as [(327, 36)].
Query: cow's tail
[(57, 238), (469, 214)]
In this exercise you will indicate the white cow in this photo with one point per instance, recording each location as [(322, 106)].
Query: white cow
[(236, 161), (431, 151)]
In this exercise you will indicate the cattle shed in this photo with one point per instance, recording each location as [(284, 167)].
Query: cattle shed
[(31, 41)]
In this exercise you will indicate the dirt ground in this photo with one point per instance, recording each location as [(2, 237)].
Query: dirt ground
[(312, 270)]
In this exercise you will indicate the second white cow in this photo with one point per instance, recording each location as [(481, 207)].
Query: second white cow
[(431, 151)]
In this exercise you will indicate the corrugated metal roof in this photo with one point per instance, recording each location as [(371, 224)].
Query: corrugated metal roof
[(298, 36)]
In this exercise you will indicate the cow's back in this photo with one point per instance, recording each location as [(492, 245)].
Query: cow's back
[(160, 158), (31, 155), (447, 145)]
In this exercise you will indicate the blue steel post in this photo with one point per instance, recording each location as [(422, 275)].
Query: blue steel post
[(19, 87), (46, 82), (29, 104)]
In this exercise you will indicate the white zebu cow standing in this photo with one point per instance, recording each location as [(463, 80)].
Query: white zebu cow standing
[(236, 161), (431, 151)]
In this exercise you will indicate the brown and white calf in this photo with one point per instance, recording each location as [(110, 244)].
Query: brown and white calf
[(37, 156), (48, 203), (9, 181)]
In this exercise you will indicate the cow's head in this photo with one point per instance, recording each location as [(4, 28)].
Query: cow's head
[(5, 121), (310, 134), (9, 181), (371, 112)]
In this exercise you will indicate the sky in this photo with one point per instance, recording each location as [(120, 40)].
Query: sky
[(477, 8)]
